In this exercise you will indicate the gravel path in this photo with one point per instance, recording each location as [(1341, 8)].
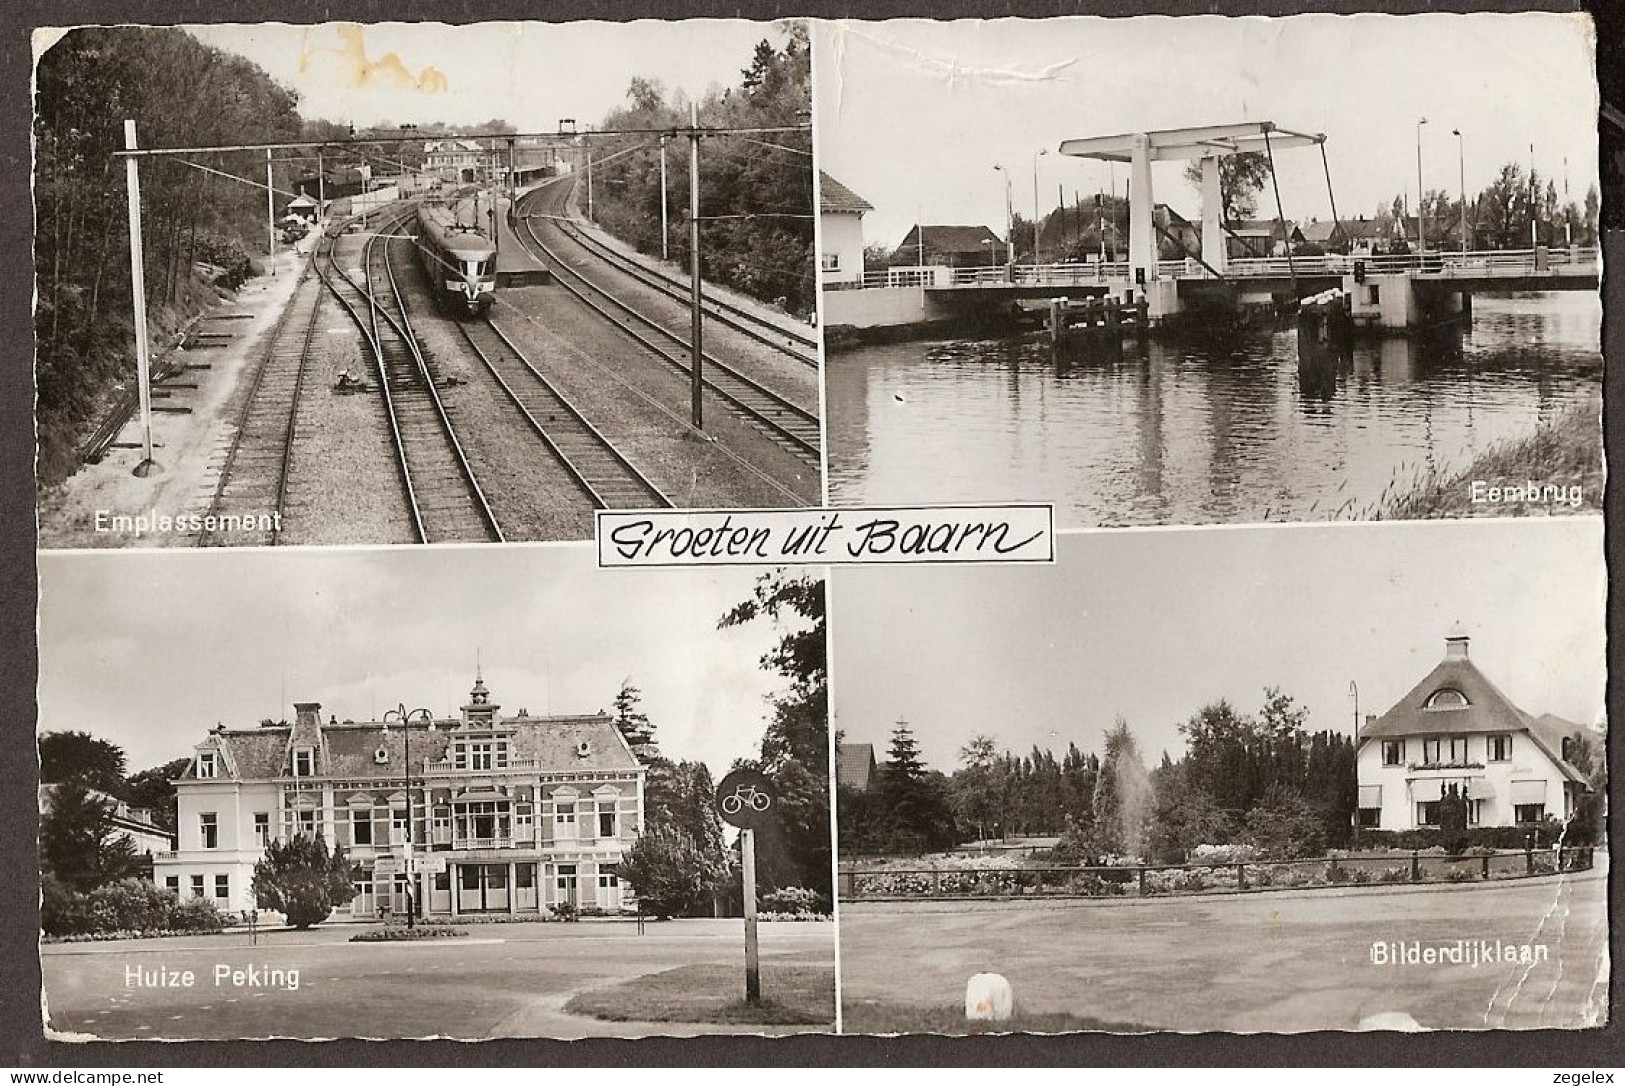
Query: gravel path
[(344, 486)]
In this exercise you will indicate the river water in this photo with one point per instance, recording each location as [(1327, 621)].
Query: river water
[(1194, 430)]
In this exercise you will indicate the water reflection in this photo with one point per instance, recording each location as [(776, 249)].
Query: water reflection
[(1202, 429)]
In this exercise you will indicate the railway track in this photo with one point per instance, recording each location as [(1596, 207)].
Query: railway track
[(442, 493), (787, 423), (603, 472), (254, 476), (797, 346)]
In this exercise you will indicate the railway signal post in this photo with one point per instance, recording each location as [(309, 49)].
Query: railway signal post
[(270, 212), (138, 298), (696, 382)]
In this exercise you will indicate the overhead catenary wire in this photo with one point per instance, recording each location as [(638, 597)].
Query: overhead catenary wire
[(701, 131)]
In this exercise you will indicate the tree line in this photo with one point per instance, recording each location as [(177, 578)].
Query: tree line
[(179, 92), (1259, 778), (756, 207)]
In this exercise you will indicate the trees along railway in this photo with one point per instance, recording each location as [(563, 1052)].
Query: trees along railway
[(793, 343)]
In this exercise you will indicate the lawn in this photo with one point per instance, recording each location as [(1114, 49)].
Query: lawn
[(874, 1016), (1287, 961), (792, 995)]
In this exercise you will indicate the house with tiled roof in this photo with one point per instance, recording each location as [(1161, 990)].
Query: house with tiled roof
[(855, 766), (478, 813), (1455, 728), (840, 231), (950, 246)]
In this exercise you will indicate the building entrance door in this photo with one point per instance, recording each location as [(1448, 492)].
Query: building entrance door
[(482, 888), (364, 903)]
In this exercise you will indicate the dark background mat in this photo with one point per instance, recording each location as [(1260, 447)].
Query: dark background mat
[(22, 1042)]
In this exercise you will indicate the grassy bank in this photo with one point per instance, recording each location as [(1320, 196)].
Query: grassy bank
[(792, 995), (1566, 452)]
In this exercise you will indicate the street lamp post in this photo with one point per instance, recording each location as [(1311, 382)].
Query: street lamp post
[(1354, 693), (1038, 222), (1461, 167), (1421, 225), (405, 716), (1009, 224)]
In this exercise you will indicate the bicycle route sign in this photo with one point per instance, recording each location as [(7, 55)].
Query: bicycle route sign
[(745, 798)]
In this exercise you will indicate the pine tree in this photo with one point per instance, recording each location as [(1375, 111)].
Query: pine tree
[(903, 762), (633, 723)]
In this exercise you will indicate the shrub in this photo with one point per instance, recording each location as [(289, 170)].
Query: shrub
[(1286, 827), (303, 880), (1336, 874), (123, 909), (197, 915), (567, 911), (1459, 874), (62, 911), (1395, 874)]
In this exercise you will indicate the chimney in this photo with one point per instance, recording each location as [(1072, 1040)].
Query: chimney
[(1455, 643), (309, 714), (1370, 719)]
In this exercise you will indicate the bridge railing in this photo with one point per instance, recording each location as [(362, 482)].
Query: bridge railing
[(1509, 262)]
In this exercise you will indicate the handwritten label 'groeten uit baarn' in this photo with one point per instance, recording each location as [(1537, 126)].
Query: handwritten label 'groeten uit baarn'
[(834, 537)]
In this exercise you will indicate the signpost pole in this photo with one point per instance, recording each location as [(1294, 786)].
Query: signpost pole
[(745, 799), (753, 971)]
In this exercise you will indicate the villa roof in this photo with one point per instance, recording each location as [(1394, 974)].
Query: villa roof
[(1487, 711), (349, 749)]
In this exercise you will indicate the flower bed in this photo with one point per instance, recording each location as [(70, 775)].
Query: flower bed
[(976, 877), (392, 934)]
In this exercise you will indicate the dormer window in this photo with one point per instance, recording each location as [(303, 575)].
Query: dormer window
[(206, 765), (1447, 698), (304, 762), (481, 754)]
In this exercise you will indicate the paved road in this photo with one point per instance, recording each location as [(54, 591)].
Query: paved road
[(507, 980), (1279, 962)]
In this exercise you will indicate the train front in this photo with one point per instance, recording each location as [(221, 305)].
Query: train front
[(473, 287)]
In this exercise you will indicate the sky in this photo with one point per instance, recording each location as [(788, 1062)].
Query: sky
[(1154, 625), (913, 115), (530, 74), (150, 650)]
